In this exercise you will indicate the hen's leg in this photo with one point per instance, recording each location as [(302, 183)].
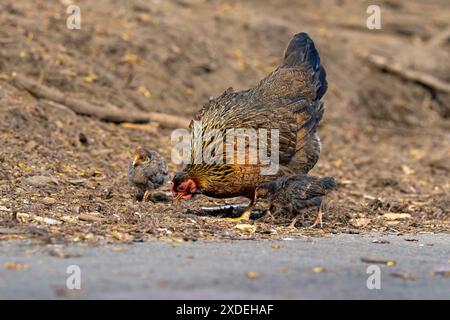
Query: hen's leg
[(246, 214)]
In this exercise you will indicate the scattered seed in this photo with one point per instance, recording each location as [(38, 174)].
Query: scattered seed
[(48, 200)]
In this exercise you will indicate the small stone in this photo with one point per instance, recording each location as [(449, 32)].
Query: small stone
[(48, 200), (396, 216), (39, 181), (246, 227), (359, 222), (107, 193), (46, 220)]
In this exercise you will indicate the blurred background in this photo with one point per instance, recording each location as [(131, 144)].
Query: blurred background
[(75, 103)]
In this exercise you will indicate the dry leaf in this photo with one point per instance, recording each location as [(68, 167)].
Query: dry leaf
[(89, 78), (17, 266), (144, 91), (252, 275), (404, 276), (360, 222), (396, 216), (250, 228), (22, 217), (407, 170), (130, 58), (319, 269), (388, 262), (63, 255), (48, 200)]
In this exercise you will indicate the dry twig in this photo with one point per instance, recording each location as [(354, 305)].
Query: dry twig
[(408, 74), (84, 108)]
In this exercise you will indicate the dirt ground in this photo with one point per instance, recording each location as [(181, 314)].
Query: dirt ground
[(386, 138)]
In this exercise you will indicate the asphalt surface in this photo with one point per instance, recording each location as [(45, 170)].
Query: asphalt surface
[(307, 268)]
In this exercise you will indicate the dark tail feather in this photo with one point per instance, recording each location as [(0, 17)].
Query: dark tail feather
[(301, 51)]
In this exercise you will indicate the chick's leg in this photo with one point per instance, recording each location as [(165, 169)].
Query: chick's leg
[(319, 217), (147, 195), (294, 221), (269, 213)]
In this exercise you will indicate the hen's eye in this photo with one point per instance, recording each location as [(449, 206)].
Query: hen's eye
[(181, 188)]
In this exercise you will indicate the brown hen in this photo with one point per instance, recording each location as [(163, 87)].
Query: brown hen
[(288, 99)]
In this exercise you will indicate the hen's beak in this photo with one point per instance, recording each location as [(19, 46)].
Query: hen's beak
[(178, 197)]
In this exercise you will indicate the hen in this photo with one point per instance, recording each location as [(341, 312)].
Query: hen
[(147, 172), (292, 193), (288, 99)]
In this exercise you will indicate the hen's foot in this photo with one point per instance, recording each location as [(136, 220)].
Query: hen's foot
[(244, 217)]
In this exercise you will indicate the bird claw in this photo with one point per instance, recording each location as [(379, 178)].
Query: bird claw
[(317, 221)]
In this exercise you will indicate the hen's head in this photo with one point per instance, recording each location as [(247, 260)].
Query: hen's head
[(183, 187)]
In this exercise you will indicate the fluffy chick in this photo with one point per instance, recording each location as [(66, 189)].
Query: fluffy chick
[(292, 193), (146, 172)]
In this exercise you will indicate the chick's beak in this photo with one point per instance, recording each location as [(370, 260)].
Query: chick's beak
[(136, 161)]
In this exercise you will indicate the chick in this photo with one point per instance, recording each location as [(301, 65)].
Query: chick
[(146, 172), (293, 193)]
